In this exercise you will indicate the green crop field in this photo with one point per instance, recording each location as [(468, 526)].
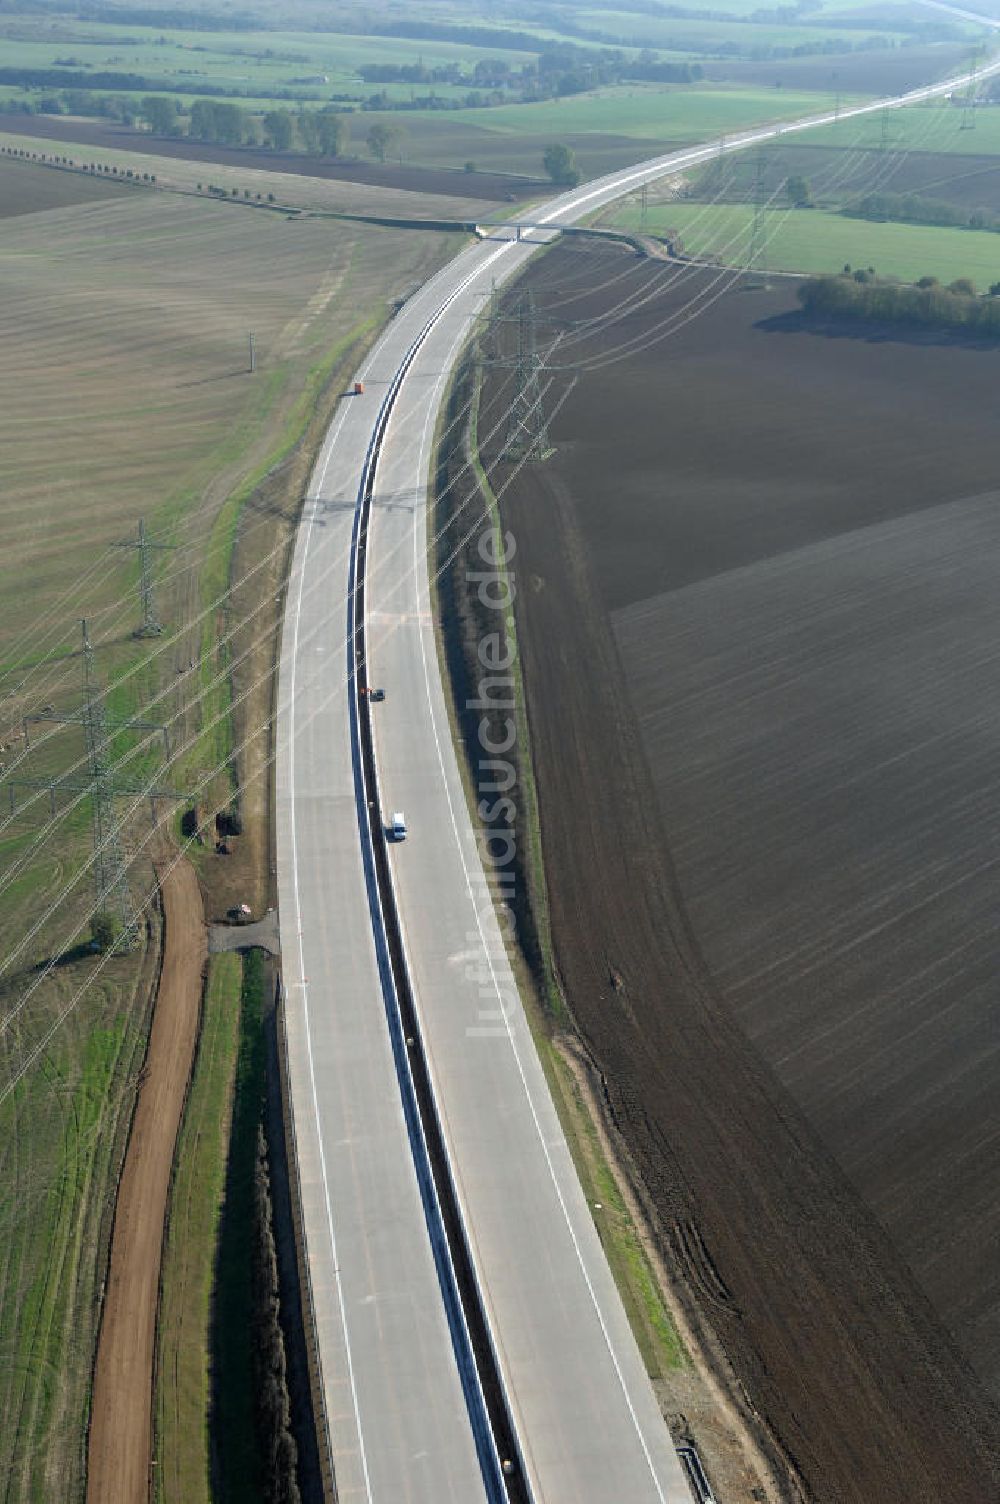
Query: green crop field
[(665, 113), (62, 1133), (297, 55), (124, 391), (709, 36), (254, 63), (812, 240), (927, 128)]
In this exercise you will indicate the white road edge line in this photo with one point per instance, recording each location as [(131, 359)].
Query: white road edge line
[(646, 171), (334, 435), (420, 517)]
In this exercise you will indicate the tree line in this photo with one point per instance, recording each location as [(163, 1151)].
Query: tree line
[(912, 208), (318, 133), (558, 71), (927, 303)]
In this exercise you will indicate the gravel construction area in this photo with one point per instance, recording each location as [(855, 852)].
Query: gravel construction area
[(758, 635), (119, 1447)]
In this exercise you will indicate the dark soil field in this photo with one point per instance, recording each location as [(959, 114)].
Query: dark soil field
[(478, 185), (758, 623), (435, 150), (25, 189)]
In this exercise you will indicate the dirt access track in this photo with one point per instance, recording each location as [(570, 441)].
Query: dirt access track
[(737, 442), (121, 1412)]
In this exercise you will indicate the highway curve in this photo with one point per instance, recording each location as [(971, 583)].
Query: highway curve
[(393, 1359)]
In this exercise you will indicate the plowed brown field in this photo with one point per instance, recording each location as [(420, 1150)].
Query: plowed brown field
[(118, 1460), (470, 185), (758, 628)]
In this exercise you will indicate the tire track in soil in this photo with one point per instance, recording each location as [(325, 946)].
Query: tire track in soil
[(120, 1435)]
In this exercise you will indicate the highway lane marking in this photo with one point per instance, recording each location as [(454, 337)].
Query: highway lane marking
[(611, 188), (433, 406), (335, 434)]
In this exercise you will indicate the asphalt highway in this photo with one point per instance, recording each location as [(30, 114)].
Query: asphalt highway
[(397, 1406)]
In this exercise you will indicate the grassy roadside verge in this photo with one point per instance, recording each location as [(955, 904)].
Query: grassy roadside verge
[(231, 1335), (534, 967), (219, 1406), (181, 1404)]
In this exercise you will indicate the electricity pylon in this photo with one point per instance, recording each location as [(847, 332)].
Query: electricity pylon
[(757, 249), (527, 434), (150, 625), (110, 865), (489, 340), (969, 107)]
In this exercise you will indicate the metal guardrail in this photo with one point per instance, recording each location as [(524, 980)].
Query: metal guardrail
[(496, 1438), (702, 1489)]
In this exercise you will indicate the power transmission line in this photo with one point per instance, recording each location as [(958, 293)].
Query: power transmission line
[(969, 107), (110, 864), (150, 625), (757, 249), (527, 434)]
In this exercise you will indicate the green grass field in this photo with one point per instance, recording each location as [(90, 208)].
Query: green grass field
[(711, 35), (62, 1137), (188, 1273), (931, 127), (232, 1339), (256, 63), (655, 113), (259, 63), (812, 240)]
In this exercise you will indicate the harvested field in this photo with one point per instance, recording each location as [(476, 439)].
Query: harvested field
[(167, 402), (115, 400), (457, 184), (119, 1452), (757, 633), (256, 191), (436, 149), (25, 189)]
